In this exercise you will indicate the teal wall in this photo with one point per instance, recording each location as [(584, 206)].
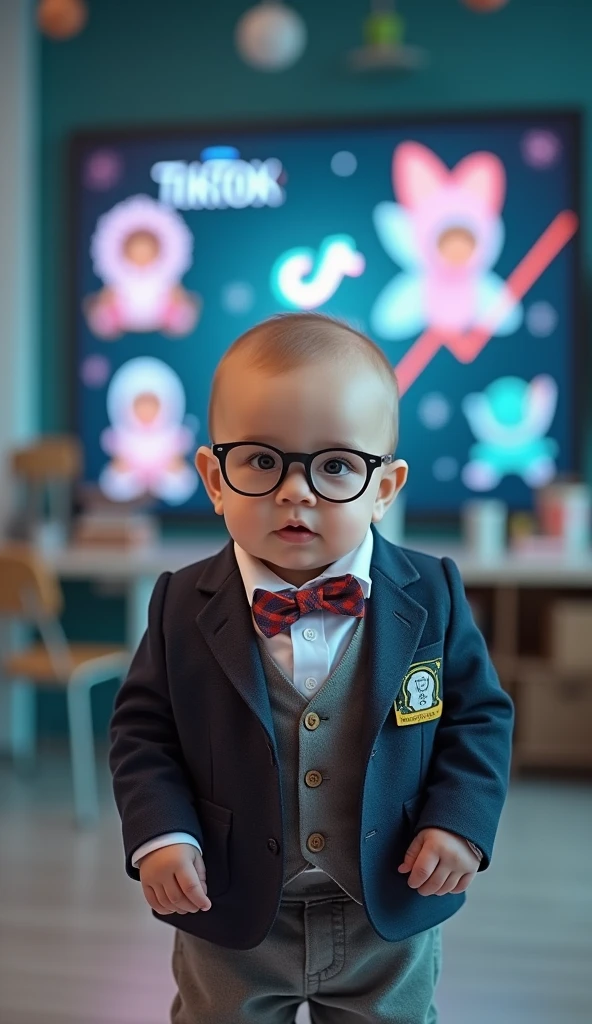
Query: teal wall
[(142, 61)]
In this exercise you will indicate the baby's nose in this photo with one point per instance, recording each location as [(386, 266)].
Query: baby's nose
[(295, 486)]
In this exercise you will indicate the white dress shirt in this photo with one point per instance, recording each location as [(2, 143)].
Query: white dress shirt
[(308, 651)]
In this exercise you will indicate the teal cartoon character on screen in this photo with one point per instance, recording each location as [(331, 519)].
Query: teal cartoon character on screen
[(510, 420)]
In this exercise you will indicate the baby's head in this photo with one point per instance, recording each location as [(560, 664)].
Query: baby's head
[(302, 383)]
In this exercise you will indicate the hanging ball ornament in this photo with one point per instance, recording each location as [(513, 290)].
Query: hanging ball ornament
[(61, 19), (270, 36), (485, 6)]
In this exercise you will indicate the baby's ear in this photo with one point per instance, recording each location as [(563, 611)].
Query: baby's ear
[(208, 467), (392, 482)]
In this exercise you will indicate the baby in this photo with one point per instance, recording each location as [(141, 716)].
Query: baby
[(292, 802)]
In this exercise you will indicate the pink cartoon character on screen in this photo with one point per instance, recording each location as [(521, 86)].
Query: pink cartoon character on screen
[(446, 233), (148, 439), (141, 249)]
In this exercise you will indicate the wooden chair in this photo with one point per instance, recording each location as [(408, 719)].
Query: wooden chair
[(47, 470), (54, 457), (30, 593)]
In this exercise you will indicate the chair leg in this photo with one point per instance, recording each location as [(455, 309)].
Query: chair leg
[(82, 752), (23, 726)]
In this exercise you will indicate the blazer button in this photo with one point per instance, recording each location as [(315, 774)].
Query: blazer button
[(273, 846), (313, 779), (315, 842), (312, 721)]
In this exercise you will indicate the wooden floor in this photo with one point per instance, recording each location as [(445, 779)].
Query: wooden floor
[(78, 945)]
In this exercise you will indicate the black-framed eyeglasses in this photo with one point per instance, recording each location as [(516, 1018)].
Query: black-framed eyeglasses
[(335, 474)]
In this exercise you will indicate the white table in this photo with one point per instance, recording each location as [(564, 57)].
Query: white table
[(512, 569), (137, 569)]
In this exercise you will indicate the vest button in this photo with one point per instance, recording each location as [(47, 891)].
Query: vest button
[(315, 842), (312, 721), (273, 846), (313, 779)]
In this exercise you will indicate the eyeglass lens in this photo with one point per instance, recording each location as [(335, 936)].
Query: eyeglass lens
[(255, 469)]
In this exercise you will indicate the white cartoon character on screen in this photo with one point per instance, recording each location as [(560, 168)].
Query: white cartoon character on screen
[(141, 249), (147, 439), (446, 233)]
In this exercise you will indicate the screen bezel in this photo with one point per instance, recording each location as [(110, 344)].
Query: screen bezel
[(80, 140)]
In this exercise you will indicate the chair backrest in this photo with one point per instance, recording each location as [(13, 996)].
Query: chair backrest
[(28, 588), (49, 458)]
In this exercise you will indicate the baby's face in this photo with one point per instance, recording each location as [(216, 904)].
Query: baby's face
[(323, 405), (141, 248), (146, 407)]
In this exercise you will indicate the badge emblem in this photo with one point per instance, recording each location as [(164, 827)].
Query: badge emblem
[(419, 698)]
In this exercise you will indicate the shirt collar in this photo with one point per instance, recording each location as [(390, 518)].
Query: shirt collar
[(256, 575)]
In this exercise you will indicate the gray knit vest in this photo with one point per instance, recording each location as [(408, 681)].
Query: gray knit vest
[(322, 737)]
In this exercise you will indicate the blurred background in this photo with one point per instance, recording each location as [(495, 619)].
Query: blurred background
[(169, 175)]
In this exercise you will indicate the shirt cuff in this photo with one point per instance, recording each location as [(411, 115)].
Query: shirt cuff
[(478, 853), (168, 839)]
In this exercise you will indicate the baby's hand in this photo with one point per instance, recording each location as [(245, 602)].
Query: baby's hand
[(174, 879), (440, 862)]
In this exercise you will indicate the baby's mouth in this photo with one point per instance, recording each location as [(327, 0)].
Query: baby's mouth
[(291, 530)]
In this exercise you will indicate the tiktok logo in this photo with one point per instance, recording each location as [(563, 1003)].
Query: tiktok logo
[(220, 180), (337, 258)]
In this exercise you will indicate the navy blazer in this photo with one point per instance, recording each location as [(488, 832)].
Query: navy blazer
[(193, 746)]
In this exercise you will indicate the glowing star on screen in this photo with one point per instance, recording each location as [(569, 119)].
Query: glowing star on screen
[(510, 420), (446, 233), (304, 279), (141, 250), (148, 438)]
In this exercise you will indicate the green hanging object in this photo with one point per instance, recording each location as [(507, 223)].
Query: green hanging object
[(384, 28), (383, 48)]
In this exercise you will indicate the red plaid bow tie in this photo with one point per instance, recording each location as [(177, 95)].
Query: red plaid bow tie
[(274, 613)]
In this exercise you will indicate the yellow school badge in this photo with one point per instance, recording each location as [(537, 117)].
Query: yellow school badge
[(419, 698)]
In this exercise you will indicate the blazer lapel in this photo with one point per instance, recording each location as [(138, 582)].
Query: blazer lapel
[(395, 625), (226, 625)]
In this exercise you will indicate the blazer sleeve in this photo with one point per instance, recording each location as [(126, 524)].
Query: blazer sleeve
[(150, 783), (469, 768)]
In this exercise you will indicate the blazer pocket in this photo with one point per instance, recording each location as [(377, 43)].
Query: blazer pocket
[(216, 823), (412, 810), (430, 652)]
